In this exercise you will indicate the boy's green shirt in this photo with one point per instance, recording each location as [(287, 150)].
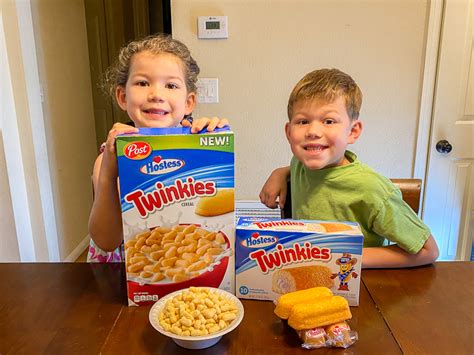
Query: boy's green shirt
[(356, 193)]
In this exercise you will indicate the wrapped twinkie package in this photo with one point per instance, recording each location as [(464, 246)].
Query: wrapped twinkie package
[(277, 256), (177, 199)]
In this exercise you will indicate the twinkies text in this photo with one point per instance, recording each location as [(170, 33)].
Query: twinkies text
[(162, 196), (282, 223), (283, 256)]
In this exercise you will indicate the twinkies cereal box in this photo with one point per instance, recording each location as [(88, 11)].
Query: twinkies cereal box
[(276, 256), (177, 199)]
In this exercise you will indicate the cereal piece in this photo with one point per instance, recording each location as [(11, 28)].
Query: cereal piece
[(169, 261), (157, 254), (157, 277), (189, 229), (202, 250), (136, 267), (130, 243), (214, 251), (198, 265), (174, 271), (180, 278), (146, 274), (220, 238)]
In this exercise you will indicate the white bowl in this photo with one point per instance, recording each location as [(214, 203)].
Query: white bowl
[(195, 342)]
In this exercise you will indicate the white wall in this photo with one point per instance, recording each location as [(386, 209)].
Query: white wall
[(272, 44)]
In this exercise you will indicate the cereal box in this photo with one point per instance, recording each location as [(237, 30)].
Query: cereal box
[(276, 256), (177, 199)]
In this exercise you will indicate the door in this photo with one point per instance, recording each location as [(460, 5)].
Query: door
[(111, 24), (448, 205)]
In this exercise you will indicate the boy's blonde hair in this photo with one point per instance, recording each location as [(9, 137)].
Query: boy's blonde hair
[(117, 74), (327, 84)]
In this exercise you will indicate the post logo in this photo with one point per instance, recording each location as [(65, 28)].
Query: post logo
[(137, 150), (160, 166)]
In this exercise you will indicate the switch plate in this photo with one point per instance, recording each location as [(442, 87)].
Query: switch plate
[(208, 90)]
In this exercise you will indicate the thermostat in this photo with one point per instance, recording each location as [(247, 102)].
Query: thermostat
[(212, 27)]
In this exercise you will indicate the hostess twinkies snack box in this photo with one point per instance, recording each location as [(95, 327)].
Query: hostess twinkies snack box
[(177, 198), (276, 256)]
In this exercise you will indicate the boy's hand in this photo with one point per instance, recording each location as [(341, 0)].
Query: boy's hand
[(211, 124), (273, 192)]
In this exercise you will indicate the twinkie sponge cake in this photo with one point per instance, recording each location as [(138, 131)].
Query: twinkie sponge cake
[(300, 278), (319, 313), (288, 301)]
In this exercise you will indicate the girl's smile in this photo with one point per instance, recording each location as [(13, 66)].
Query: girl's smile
[(155, 94)]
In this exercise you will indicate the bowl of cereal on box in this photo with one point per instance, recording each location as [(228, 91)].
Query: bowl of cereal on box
[(196, 317), (167, 259)]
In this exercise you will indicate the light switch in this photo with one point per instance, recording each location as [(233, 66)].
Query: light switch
[(208, 90)]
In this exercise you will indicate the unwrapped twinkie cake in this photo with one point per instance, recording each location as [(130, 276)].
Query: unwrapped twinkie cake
[(277, 256)]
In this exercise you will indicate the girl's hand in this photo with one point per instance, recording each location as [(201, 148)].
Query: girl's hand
[(273, 192), (109, 160), (211, 124), (117, 128)]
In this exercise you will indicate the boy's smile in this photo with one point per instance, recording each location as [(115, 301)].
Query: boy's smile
[(155, 94), (319, 132)]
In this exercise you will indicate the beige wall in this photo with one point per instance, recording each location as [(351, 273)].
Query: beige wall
[(272, 44), (63, 65), (64, 72), (8, 243)]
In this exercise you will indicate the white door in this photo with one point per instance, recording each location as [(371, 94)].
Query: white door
[(449, 193)]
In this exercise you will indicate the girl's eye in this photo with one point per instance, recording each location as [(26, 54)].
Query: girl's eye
[(172, 86), (142, 83)]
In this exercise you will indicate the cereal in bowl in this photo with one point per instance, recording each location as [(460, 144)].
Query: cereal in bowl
[(197, 311)]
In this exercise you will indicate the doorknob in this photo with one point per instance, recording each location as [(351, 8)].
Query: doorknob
[(444, 147)]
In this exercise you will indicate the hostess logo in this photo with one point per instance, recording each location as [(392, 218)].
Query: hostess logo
[(259, 241), (159, 166)]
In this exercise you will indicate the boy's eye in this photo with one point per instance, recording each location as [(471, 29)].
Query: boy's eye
[(302, 121), (329, 121), (172, 86)]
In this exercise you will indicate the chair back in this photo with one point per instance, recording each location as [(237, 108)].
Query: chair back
[(411, 191), (410, 188)]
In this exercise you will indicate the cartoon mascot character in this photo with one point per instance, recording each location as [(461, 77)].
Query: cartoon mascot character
[(346, 271)]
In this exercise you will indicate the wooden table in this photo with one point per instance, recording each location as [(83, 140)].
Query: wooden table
[(81, 308)]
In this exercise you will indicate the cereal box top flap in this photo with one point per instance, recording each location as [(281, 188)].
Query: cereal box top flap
[(292, 225), (174, 131)]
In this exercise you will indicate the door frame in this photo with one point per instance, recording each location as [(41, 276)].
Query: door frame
[(433, 38)]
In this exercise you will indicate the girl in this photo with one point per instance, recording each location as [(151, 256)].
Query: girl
[(154, 81)]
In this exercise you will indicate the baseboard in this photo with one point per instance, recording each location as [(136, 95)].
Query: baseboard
[(78, 250)]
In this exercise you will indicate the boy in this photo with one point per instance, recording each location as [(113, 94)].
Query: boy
[(328, 182)]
